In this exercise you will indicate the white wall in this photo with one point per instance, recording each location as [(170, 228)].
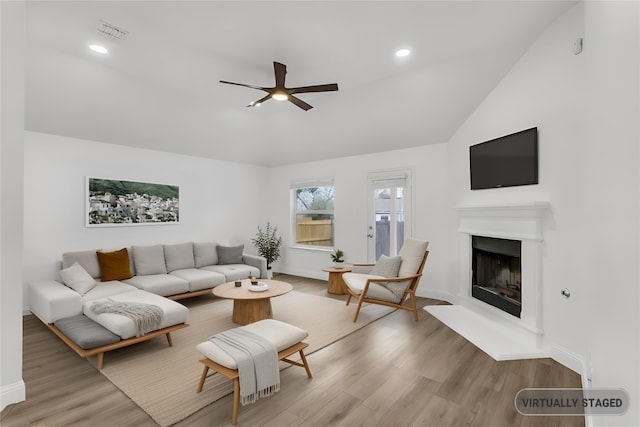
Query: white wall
[(612, 159), (546, 88), (12, 388), (586, 109), (218, 199), (351, 196)]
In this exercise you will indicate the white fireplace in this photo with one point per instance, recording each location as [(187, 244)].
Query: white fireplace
[(501, 335)]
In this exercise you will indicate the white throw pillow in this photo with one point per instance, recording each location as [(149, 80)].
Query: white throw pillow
[(77, 278), (386, 266)]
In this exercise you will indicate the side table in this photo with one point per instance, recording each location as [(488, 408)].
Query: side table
[(335, 284)]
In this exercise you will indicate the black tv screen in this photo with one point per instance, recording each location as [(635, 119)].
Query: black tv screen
[(507, 161)]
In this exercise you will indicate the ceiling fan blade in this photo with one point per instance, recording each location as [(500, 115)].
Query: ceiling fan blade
[(316, 88), (259, 101), (280, 71), (300, 103), (266, 89)]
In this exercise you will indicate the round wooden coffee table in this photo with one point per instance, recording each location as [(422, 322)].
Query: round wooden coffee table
[(249, 306)]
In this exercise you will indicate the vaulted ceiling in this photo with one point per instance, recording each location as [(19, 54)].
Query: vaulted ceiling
[(158, 87)]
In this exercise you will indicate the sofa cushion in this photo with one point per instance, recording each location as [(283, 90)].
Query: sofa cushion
[(87, 259), (114, 265), (160, 284), (173, 313), (77, 279), (230, 254), (85, 332), (386, 266), (234, 272), (199, 278), (411, 253), (149, 260), (205, 253), (179, 256)]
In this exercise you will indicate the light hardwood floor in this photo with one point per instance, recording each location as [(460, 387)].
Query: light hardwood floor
[(393, 372)]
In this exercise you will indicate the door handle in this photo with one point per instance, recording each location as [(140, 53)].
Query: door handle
[(369, 235)]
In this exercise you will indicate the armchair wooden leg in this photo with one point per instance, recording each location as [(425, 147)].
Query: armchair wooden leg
[(348, 298), (415, 309), (355, 318)]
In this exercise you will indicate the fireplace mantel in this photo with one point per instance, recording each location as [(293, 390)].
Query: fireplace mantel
[(508, 221)]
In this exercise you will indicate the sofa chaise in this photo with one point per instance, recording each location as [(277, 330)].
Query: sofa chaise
[(137, 277)]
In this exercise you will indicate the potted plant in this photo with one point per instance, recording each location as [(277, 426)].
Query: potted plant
[(337, 256), (268, 243)]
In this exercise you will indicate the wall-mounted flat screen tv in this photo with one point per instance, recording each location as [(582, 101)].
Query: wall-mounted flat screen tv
[(507, 161)]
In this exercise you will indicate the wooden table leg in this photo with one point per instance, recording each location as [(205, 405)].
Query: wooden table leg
[(335, 284), (247, 311)]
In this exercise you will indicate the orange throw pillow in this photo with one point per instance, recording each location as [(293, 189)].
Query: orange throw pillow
[(114, 265)]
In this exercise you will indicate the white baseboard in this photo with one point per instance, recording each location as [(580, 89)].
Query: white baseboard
[(12, 393), (311, 274), (570, 360)]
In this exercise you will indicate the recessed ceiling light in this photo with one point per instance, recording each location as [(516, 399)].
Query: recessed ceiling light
[(98, 48), (403, 52)]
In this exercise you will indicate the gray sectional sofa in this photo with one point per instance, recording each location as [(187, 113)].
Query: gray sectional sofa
[(157, 275)]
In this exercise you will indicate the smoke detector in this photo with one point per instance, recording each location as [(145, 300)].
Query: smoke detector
[(110, 32)]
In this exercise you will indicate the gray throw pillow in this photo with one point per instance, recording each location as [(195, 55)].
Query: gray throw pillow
[(387, 266), (229, 254)]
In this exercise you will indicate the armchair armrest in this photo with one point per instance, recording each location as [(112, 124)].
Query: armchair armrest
[(258, 262), (361, 268), (393, 279)]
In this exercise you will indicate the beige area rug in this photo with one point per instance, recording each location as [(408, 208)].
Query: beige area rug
[(162, 380)]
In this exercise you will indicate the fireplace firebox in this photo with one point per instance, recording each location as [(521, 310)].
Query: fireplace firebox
[(496, 273)]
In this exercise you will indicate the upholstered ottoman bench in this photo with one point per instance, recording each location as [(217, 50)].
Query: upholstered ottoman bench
[(287, 339)]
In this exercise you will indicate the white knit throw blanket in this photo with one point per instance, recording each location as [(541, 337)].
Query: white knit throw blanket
[(257, 360), (145, 317)]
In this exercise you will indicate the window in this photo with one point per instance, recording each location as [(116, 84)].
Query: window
[(313, 213)]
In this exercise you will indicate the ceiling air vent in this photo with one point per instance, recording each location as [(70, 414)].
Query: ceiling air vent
[(111, 32)]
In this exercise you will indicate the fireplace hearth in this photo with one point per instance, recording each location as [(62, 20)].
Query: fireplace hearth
[(496, 273)]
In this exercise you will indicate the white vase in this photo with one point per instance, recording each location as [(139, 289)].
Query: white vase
[(269, 274)]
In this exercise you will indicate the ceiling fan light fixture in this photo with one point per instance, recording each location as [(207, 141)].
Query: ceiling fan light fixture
[(280, 96)]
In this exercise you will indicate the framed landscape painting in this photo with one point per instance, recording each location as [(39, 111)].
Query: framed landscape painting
[(111, 202)]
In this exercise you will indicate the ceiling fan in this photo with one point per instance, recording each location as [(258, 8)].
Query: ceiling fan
[(281, 93)]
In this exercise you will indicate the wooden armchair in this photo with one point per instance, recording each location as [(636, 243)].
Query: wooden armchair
[(389, 291)]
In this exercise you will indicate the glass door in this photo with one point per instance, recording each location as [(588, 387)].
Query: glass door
[(389, 213)]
